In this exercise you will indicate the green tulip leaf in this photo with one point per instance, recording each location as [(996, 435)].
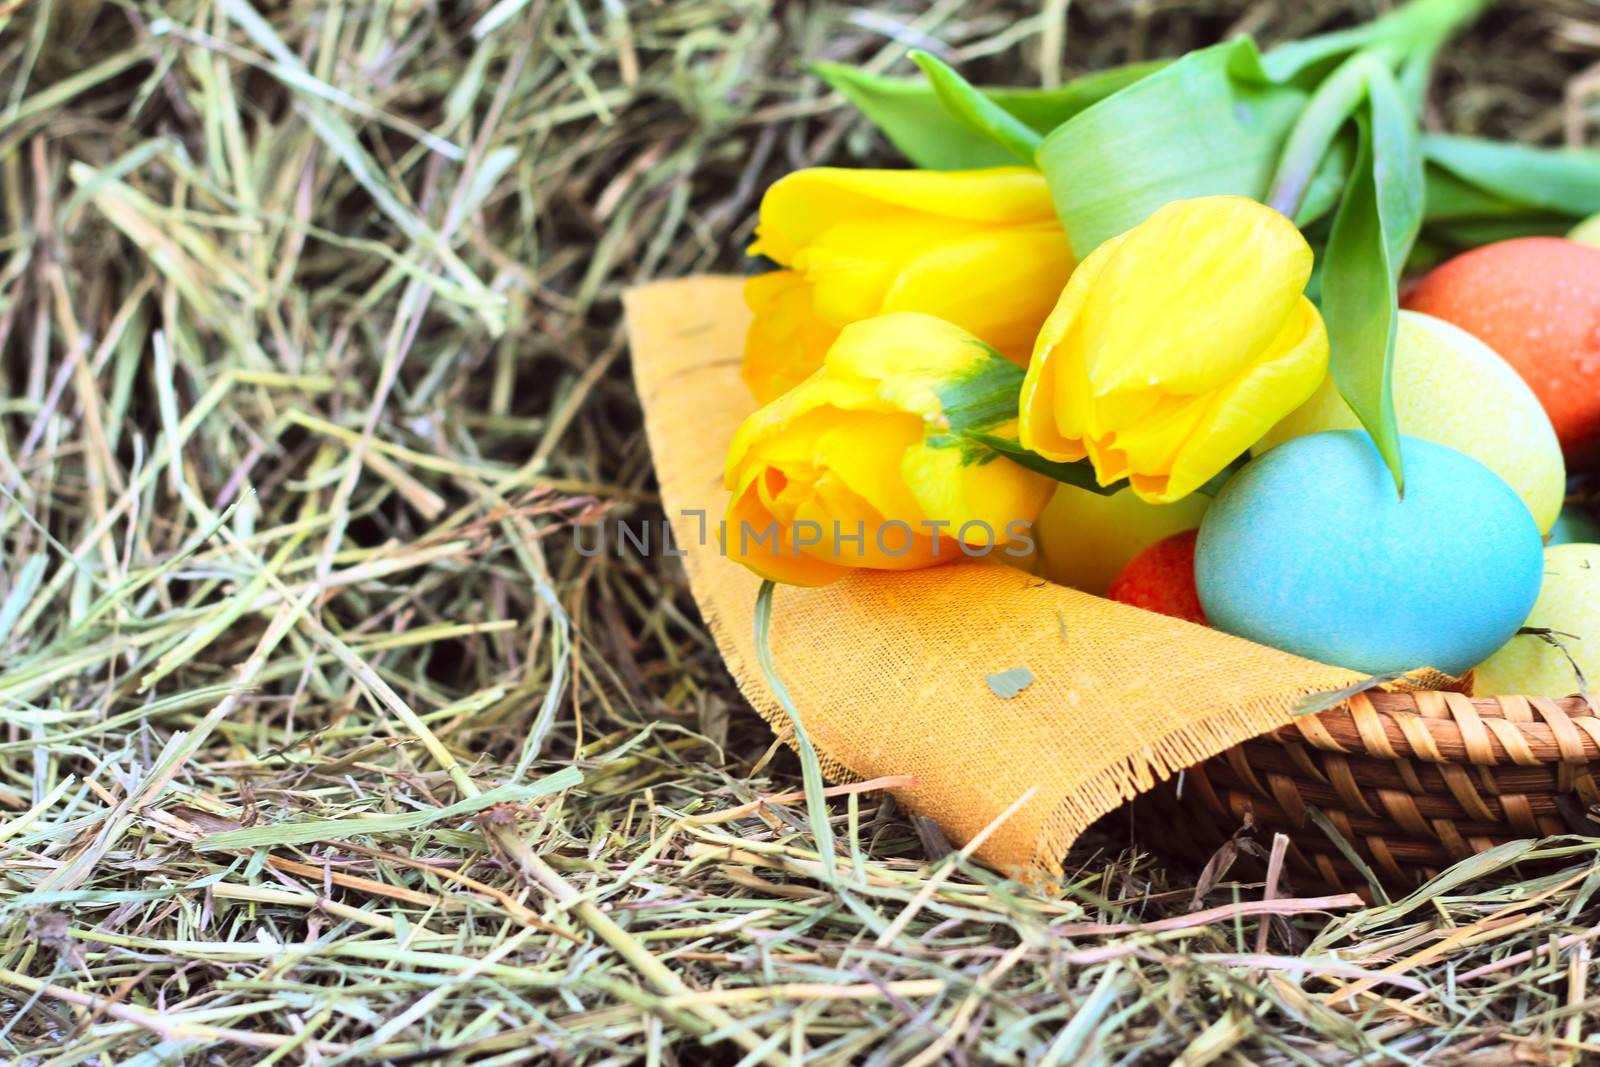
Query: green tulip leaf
[(963, 101), (1396, 166), (1453, 199), (1372, 234), (1079, 474), (1321, 125), (1211, 123), (1453, 236), (911, 116), (1480, 192), (1327, 185), (1558, 181)]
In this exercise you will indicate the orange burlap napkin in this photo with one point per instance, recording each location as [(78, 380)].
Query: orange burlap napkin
[(888, 670)]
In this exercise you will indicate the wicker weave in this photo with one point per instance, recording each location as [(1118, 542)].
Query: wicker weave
[(1411, 781)]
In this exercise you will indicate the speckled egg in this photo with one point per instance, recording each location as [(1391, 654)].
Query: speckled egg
[(1536, 301), (1161, 579), (1310, 549), (1085, 538), (1452, 389), (1569, 603)]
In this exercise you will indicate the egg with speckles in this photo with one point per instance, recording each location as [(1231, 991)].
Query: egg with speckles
[(1085, 538), (1536, 301), (1161, 579), (1452, 389), (1569, 606), (1311, 549)]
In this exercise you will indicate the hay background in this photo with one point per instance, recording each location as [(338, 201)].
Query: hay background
[(374, 308)]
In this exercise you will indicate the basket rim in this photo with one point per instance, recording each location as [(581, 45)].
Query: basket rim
[(1443, 727)]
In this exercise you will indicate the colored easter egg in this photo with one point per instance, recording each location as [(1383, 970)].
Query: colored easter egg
[(1574, 526), (1536, 301), (1452, 389), (1569, 604), (1161, 579), (1310, 549), (1085, 538), (1587, 232)]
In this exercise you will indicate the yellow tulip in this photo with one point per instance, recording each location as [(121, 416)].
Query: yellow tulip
[(981, 249), (1176, 346), (867, 464)]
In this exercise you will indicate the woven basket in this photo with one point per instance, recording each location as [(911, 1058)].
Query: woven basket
[(1412, 782)]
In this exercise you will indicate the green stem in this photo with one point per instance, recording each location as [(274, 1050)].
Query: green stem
[(1331, 106), (1422, 22), (1415, 73), (1418, 26), (1406, 29), (810, 765), (1406, 40)]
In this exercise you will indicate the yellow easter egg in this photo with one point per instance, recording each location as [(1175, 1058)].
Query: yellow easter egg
[(1452, 389), (1569, 603), (1084, 539), (1587, 232)]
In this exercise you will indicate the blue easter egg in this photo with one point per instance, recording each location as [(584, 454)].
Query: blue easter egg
[(1310, 549)]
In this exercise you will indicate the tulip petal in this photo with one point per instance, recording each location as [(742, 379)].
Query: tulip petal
[(980, 249), (1152, 442), (909, 355), (1175, 346), (1054, 408), (1240, 415), (999, 284), (854, 534), (762, 431), (861, 453), (786, 340), (1038, 429), (754, 538), (955, 484), (799, 206), (1191, 295), (853, 263)]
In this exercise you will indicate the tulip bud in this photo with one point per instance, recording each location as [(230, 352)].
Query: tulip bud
[(981, 249), (1176, 346), (869, 462)]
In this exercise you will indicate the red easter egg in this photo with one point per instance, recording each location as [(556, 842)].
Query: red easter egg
[(1536, 301), (1161, 579)]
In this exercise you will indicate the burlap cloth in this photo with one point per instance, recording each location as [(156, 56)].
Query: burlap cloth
[(888, 670)]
